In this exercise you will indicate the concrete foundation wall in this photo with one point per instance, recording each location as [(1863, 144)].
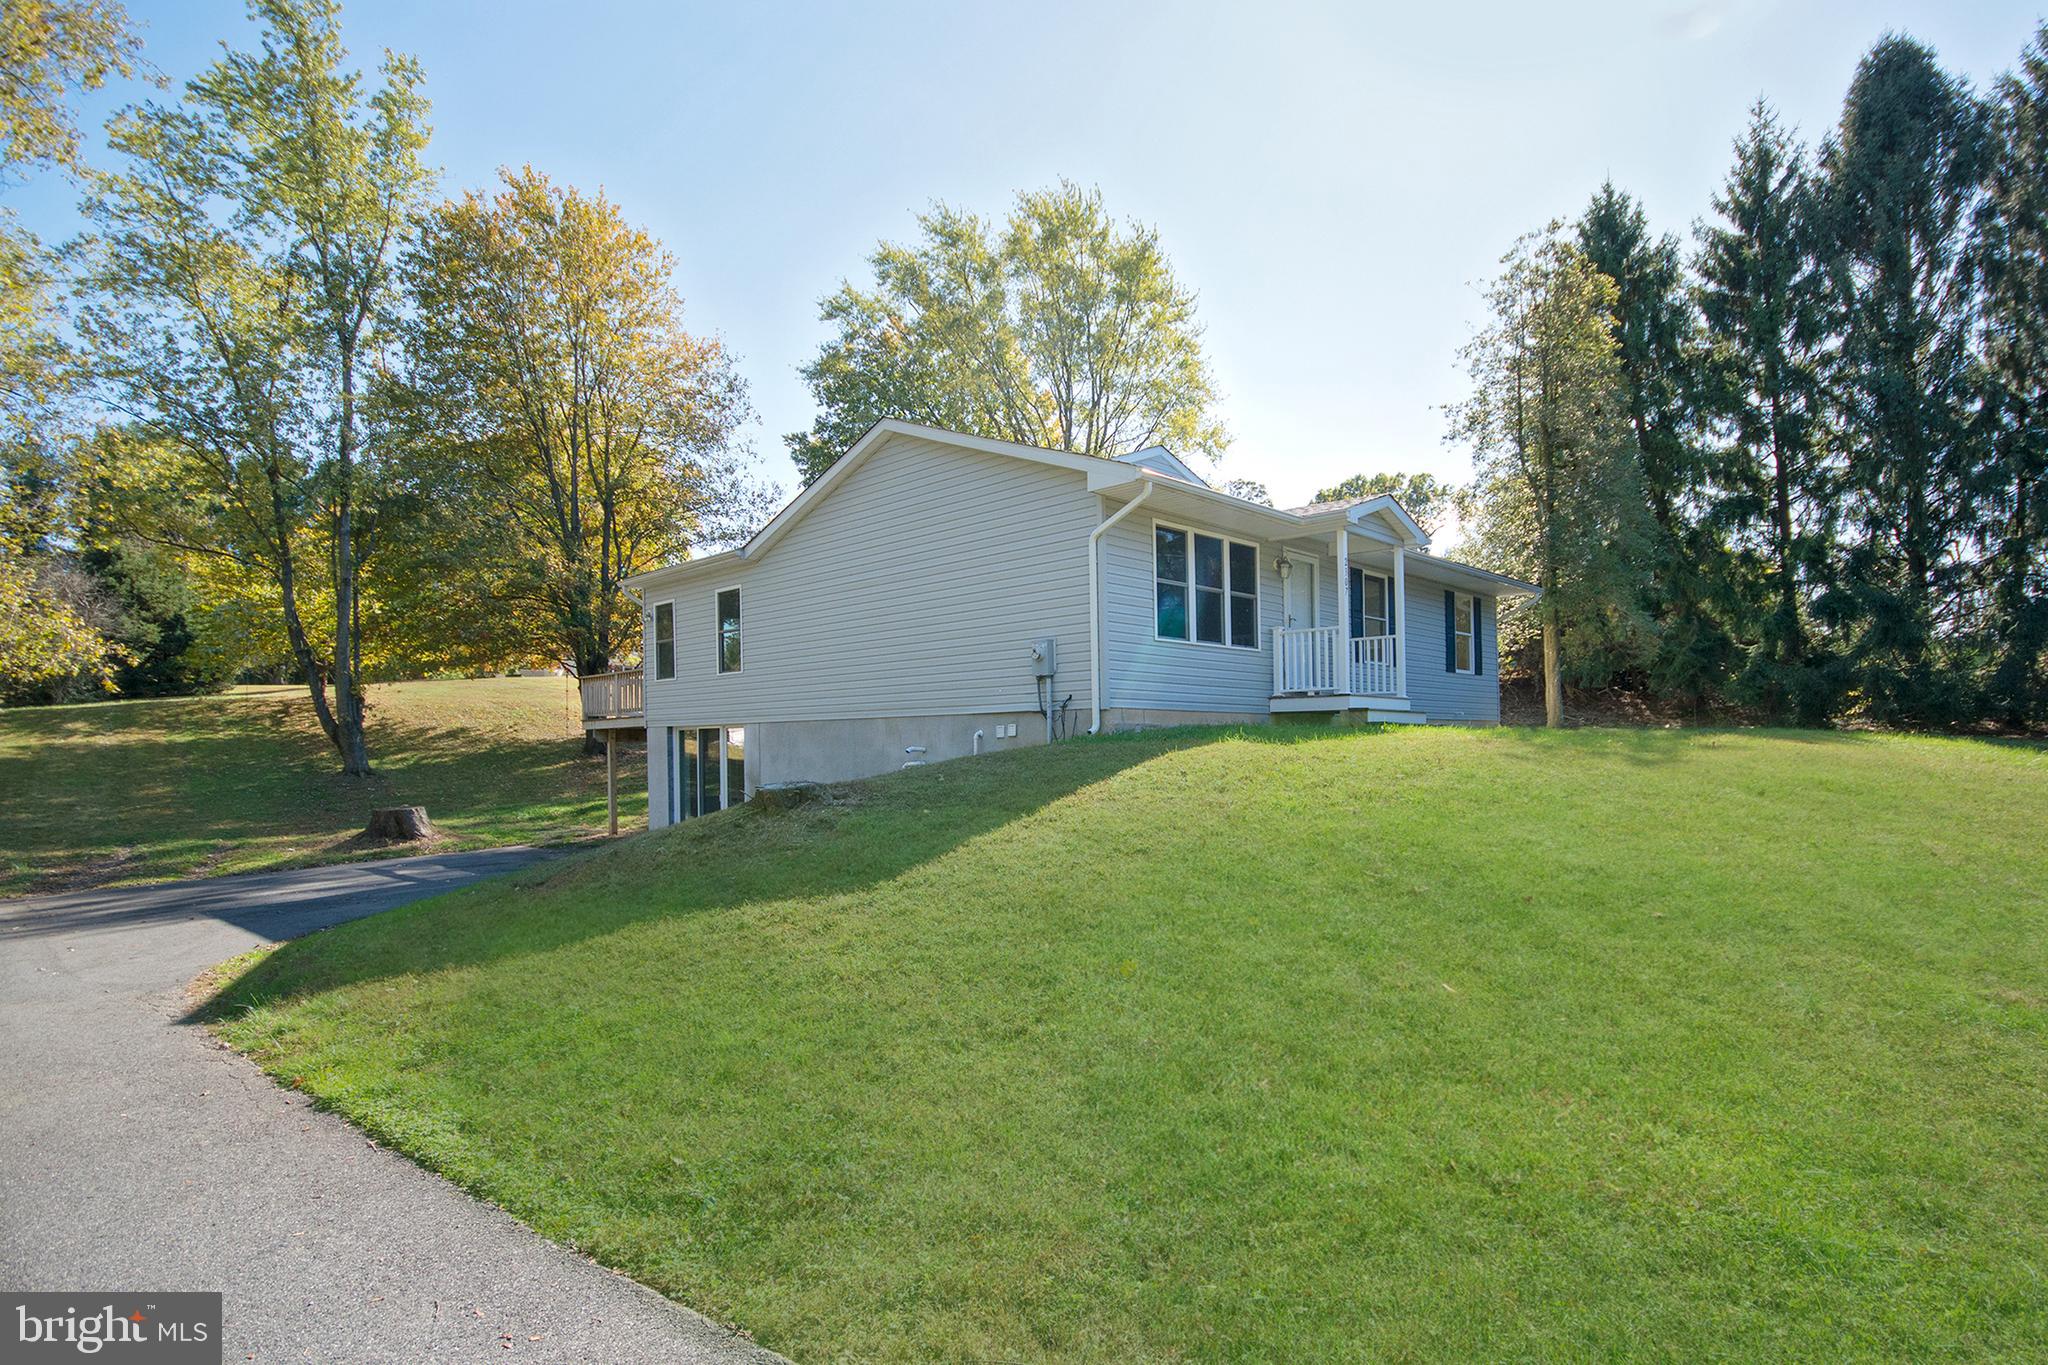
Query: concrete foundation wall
[(847, 750), (1154, 718), (843, 750)]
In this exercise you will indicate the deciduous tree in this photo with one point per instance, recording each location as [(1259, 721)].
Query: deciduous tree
[(1060, 329), (1424, 497), (49, 51), (243, 269), (1557, 496), (566, 428)]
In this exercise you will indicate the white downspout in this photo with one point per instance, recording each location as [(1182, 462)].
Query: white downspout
[(1095, 601)]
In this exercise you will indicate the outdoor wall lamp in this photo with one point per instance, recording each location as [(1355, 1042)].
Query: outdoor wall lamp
[(1284, 566)]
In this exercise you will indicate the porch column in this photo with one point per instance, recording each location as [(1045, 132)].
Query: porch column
[(1400, 614), (1344, 609)]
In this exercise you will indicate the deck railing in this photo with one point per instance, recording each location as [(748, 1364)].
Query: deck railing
[(1316, 659), (612, 696)]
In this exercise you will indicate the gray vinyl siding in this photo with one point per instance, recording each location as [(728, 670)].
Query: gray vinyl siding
[(1146, 672), (916, 588), (1461, 698)]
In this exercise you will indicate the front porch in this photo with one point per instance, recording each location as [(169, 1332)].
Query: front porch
[(1316, 669), (1340, 647)]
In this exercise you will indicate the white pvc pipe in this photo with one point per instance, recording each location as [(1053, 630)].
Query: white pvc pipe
[(1095, 601)]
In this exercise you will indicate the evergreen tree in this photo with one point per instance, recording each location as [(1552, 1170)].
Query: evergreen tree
[(1901, 184), (1656, 343), (1761, 295), (2013, 251)]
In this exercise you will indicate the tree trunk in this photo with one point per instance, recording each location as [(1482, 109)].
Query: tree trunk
[(1553, 685), (1792, 636), (2022, 628), (348, 702)]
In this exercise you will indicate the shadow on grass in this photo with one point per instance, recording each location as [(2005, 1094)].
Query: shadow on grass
[(864, 834)]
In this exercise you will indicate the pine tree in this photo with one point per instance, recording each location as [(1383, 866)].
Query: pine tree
[(2013, 253), (1761, 295), (1656, 336), (1901, 184)]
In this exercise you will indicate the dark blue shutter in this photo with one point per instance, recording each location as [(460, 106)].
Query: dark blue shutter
[(1478, 615), (1392, 627), (1450, 631), (1356, 584)]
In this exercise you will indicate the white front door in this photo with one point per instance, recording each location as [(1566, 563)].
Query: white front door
[(1301, 596)]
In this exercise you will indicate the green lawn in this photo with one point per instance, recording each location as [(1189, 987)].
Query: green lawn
[(1278, 1045), (121, 792)]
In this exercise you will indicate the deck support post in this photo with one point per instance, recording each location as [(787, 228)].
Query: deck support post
[(1398, 611), (611, 778)]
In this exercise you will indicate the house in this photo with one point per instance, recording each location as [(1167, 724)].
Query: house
[(936, 595)]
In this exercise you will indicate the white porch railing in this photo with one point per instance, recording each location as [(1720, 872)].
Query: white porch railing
[(1372, 666), (1307, 661), (612, 696)]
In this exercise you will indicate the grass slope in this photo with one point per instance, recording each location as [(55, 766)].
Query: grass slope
[(122, 792), (1270, 1045)]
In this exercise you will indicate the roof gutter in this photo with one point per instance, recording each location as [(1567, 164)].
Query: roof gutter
[(1095, 600)]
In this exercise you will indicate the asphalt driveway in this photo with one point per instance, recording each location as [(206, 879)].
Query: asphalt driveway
[(136, 1154)]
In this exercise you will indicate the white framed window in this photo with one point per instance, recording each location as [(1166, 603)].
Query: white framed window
[(707, 769), (729, 630), (1463, 639), (1205, 588), (664, 640)]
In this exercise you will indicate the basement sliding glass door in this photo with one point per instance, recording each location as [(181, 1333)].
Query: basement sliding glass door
[(708, 770), (709, 773)]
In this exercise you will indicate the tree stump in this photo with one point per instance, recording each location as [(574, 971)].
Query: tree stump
[(400, 822)]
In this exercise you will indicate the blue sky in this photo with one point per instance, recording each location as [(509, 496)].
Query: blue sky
[(1335, 180)]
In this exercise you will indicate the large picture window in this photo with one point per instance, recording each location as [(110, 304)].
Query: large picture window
[(729, 631), (1204, 588), (664, 640)]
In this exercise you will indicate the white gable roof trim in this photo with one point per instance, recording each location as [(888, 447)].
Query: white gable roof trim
[(1154, 465), (1163, 461)]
